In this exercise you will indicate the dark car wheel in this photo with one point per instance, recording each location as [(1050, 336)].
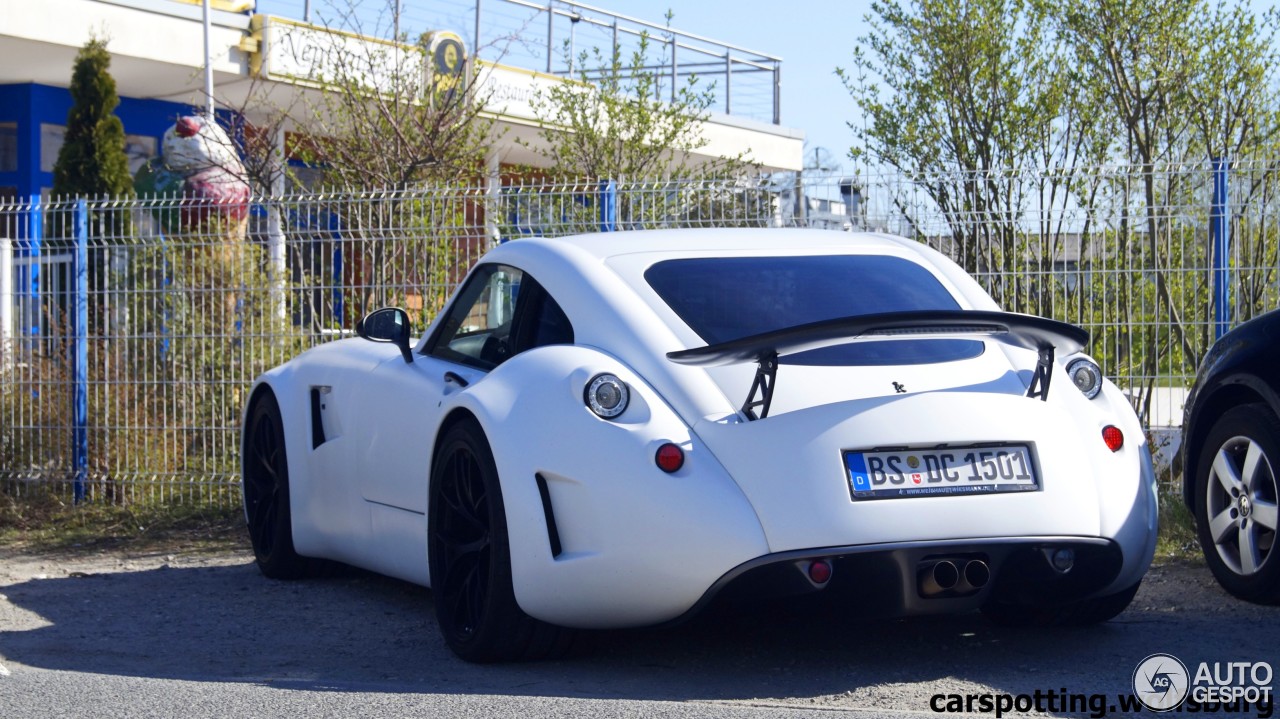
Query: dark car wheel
[(1076, 614), (470, 559), (1236, 501), (265, 479)]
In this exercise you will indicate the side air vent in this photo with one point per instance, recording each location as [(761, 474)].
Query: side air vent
[(553, 534), (318, 397)]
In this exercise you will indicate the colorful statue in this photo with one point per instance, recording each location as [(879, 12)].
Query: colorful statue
[(206, 222), (198, 163)]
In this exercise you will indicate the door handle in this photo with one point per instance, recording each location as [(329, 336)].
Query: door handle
[(455, 378)]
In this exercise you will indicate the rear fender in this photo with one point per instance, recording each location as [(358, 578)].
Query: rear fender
[(626, 528)]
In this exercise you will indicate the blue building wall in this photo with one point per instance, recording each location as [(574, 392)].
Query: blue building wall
[(30, 105)]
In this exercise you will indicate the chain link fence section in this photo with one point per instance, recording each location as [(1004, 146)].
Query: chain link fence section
[(131, 330)]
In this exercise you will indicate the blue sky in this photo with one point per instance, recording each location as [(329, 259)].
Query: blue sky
[(812, 36)]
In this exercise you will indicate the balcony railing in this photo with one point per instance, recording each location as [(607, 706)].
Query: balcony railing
[(548, 35)]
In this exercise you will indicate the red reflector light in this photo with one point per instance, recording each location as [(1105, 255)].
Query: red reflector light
[(820, 571), (1113, 437), (669, 458)]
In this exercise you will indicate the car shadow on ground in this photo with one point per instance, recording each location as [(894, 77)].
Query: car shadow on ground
[(360, 632)]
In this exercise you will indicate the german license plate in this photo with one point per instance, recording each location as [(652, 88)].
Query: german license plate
[(983, 469)]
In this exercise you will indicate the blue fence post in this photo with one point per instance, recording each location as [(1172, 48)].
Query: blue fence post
[(334, 225), (608, 203), (80, 352), (29, 272), (1220, 243)]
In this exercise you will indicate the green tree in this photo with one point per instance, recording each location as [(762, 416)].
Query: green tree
[(1003, 113), (963, 95), (1186, 81), (395, 116), (617, 122), (92, 161), (389, 117), (619, 118)]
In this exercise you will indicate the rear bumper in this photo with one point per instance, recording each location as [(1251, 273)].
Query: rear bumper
[(888, 579)]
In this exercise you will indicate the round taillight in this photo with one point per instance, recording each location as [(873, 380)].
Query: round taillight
[(607, 396), (1086, 376), (1114, 438), (820, 571), (669, 458)]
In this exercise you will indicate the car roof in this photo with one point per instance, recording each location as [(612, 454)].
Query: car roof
[(606, 245), (562, 262)]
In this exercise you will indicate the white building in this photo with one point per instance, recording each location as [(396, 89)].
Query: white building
[(158, 61)]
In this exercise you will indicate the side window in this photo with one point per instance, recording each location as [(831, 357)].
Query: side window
[(477, 330), (541, 321), (499, 314)]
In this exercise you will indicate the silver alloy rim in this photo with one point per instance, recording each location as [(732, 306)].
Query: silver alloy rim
[(1241, 505)]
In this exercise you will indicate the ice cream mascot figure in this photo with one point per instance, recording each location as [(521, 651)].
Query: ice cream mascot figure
[(201, 203), (198, 163)]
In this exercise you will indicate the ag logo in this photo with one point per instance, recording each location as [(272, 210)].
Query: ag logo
[(1160, 682)]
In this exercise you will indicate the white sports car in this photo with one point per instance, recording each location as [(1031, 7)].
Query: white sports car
[(610, 430)]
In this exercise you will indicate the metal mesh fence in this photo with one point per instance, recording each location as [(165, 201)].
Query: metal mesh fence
[(1156, 264), (130, 331), (161, 312)]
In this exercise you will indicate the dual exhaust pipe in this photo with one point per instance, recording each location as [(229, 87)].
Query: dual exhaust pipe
[(955, 577)]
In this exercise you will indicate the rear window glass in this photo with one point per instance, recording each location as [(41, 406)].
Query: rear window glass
[(727, 298)]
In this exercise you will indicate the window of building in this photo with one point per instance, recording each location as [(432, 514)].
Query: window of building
[(138, 148), (8, 147), (51, 138)]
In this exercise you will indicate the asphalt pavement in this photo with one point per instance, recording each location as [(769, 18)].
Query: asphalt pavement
[(112, 635)]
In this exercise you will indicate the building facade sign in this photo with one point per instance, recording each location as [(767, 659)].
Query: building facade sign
[(511, 93), (296, 52)]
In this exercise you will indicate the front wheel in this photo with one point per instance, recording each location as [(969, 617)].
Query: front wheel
[(470, 558), (265, 483), (1236, 502)]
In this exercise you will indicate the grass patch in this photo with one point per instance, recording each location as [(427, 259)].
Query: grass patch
[(46, 522), (1177, 540)]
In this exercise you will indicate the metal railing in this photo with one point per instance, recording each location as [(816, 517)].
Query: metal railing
[(132, 329), (547, 35), (735, 71)]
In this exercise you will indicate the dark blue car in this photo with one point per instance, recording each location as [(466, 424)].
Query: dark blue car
[(1231, 445)]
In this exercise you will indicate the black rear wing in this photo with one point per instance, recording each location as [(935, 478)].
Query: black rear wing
[(1043, 335)]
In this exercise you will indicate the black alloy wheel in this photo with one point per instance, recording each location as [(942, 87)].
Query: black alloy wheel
[(464, 544), (470, 559), (265, 484)]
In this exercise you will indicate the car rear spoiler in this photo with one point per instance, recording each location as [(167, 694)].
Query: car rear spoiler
[(1045, 336)]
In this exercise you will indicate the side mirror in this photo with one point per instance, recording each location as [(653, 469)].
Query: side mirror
[(389, 324)]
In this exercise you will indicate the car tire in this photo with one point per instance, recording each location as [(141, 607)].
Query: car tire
[(1085, 612), (470, 559), (264, 468), (1236, 502)]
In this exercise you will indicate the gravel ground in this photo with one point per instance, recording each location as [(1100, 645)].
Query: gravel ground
[(123, 634)]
